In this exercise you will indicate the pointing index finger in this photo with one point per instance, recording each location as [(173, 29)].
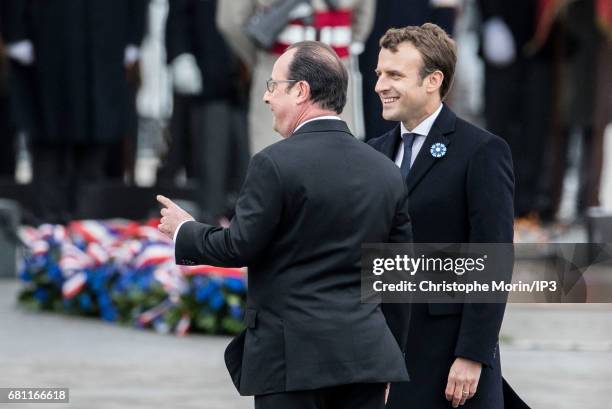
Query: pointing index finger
[(165, 201)]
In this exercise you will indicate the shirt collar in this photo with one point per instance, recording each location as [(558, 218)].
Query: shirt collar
[(317, 119), (425, 126)]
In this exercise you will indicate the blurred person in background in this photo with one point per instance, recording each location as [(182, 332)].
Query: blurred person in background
[(208, 134), (518, 93), (396, 13), (121, 156), (71, 59), (584, 105), (343, 24)]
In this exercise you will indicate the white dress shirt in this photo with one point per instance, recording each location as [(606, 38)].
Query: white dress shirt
[(422, 130)]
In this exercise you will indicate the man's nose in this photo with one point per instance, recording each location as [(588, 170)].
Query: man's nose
[(381, 85), (266, 97)]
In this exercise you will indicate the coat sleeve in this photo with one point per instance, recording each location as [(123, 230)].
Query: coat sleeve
[(490, 192), (251, 230), (14, 20), (178, 27), (138, 10), (231, 17)]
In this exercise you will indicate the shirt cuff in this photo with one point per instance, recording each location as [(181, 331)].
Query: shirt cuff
[(178, 228)]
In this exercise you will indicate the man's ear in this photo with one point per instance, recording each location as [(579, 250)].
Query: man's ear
[(303, 89), (434, 81)]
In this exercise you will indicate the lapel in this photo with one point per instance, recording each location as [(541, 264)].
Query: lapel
[(390, 142), (441, 132)]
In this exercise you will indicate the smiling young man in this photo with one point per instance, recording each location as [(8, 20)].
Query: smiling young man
[(306, 206), (460, 185)]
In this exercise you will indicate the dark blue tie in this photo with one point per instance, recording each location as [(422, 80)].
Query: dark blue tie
[(408, 142)]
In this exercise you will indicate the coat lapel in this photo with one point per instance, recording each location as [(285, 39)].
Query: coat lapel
[(441, 132), (391, 142)]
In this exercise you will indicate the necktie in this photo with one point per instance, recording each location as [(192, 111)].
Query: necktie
[(408, 142)]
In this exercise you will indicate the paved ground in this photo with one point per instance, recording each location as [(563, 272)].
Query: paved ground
[(557, 357), (107, 366)]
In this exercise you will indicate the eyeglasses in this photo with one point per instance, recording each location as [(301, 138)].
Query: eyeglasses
[(271, 84)]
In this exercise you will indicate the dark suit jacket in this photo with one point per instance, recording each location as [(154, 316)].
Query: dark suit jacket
[(464, 196), (307, 204)]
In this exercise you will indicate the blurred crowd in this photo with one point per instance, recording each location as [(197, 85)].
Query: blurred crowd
[(71, 71)]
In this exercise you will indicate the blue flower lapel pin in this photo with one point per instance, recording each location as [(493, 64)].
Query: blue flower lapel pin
[(438, 150)]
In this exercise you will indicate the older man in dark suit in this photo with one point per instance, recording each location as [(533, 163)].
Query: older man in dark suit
[(307, 204), (460, 185)]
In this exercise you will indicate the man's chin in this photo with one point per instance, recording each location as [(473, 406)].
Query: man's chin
[(389, 115)]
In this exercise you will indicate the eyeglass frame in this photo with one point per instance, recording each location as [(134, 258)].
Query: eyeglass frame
[(270, 82)]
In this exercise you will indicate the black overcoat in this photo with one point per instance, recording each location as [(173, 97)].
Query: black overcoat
[(466, 196)]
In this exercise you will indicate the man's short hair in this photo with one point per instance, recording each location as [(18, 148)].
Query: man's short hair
[(437, 49), (319, 65)]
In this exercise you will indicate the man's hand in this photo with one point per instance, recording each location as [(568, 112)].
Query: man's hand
[(498, 45), (172, 216), (186, 75), (463, 380)]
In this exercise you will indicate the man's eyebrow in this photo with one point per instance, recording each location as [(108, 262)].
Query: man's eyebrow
[(389, 72)]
